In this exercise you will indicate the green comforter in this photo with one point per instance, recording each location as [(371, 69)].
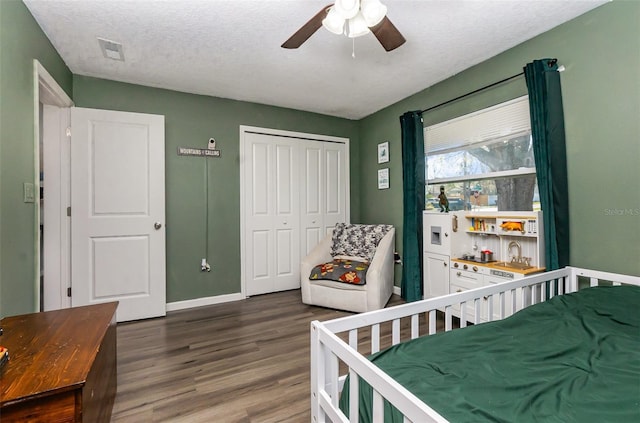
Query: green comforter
[(574, 358)]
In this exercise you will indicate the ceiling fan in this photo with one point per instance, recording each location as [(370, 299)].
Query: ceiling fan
[(353, 18)]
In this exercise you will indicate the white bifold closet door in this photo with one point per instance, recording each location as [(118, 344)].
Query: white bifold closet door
[(295, 191)]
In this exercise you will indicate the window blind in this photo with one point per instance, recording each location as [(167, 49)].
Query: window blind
[(502, 121)]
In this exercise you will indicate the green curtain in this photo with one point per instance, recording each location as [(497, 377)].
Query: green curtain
[(549, 149), (413, 189)]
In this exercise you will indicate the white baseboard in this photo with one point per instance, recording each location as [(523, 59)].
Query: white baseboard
[(397, 290), (204, 301)]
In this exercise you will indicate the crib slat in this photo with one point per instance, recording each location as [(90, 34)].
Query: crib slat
[(415, 326), (534, 296), (463, 314), (476, 311), (333, 379), (447, 319), (395, 332), (317, 375), (593, 282), (353, 339), (432, 322), (377, 409), (354, 397), (375, 338), (489, 299)]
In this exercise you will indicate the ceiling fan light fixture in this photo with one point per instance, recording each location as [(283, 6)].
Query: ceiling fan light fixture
[(373, 11), (347, 8), (357, 26), (334, 22)]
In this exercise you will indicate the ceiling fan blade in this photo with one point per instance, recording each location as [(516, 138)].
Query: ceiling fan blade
[(307, 29), (388, 35)]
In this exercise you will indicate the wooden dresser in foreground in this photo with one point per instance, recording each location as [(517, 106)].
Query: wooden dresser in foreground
[(62, 365)]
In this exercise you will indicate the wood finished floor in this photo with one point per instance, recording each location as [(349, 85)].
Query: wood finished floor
[(245, 361)]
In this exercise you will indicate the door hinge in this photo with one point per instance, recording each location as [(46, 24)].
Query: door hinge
[(69, 292), (69, 131), (69, 211)]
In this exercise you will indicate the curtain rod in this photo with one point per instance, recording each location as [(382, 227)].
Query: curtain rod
[(550, 63), (472, 92)]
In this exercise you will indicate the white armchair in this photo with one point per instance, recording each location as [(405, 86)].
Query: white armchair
[(344, 296)]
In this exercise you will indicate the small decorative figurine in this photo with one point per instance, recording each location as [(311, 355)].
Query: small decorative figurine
[(444, 203)]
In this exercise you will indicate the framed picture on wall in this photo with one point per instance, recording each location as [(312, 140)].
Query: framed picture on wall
[(383, 152), (383, 178)]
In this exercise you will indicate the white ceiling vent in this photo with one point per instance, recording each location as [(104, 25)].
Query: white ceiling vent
[(111, 49)]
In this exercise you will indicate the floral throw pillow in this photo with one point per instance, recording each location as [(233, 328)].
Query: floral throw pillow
[(356, 240), (341, 270)]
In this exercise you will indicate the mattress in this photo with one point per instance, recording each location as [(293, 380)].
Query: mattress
[(573, 358)]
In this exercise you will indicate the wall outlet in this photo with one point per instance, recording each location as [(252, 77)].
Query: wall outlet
[(204, 266)]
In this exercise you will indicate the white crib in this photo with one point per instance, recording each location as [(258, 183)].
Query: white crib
[(335, 344)]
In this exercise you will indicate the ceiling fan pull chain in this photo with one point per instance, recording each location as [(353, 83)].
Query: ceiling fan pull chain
[(353, 48)]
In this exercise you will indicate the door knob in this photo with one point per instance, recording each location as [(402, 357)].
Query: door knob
[(157, 225)]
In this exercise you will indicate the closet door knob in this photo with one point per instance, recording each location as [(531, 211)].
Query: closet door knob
[(157, 225)]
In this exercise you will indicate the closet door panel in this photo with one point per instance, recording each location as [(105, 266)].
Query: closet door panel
[(259, 216), (335, 180), (260, 180), (286, 181), (260, 244), (287, 211), (311, 193)]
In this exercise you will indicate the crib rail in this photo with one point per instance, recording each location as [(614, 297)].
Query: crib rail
[(345, 342)]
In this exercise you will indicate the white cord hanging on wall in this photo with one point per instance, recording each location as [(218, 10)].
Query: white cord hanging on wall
[(208, 152)]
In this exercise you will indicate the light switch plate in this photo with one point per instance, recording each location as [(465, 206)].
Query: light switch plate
[(29, 192)]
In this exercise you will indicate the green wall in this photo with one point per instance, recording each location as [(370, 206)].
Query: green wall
[(601, 94), (190, 120), (21, 41)]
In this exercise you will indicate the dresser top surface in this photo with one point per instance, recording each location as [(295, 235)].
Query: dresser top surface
[(51, 351)]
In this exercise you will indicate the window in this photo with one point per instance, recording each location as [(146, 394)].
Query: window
[(483, 159)]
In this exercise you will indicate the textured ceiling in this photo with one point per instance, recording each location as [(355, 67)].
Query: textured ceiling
[(231, 48)]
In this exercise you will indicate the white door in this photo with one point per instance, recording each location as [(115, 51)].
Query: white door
[(323, 190), (272, 226), (118, 213)]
